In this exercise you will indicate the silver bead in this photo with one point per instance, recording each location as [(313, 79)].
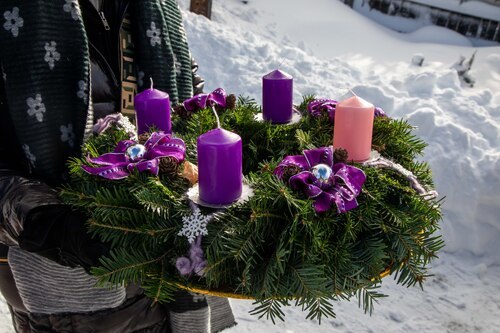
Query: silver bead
[(136, 152), (322, 172)]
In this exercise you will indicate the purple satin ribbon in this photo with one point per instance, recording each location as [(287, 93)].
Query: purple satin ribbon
[(117, 165), (202, 101), (106, 122), (318, 106), (341, 189)]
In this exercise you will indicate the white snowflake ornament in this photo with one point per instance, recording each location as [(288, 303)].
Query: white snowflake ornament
[(194, 225)]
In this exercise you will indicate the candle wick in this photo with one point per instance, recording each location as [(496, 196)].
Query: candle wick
[(216, 117), (151, 79)]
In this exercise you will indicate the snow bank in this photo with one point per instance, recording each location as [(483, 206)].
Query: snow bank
[(438, 35), (460, 124)]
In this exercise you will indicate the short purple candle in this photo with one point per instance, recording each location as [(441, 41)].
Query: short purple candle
[(220, 172), (152, 108), (277, 97)]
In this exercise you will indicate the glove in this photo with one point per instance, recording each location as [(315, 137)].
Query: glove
[(59, 233)]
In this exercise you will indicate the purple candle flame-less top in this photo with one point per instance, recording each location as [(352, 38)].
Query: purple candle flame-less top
[(152, 108), (277, 97), (220, 172)]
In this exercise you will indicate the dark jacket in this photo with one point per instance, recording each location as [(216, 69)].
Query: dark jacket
[(32, 216)]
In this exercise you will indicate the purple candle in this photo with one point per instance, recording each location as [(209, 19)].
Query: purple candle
[(277, 97), (152, 108), (219, 166)]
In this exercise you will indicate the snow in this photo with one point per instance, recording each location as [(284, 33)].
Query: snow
[(437, 35), (331, 49)]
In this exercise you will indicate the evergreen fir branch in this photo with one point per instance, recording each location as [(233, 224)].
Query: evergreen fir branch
[(304, 140), (154, 195), (142, 230), (411, 273), (270, 308), (274, 246), (100, 144), (371, 252), (318, 308), (306, 99), (160, 289), (307, 281), (118, 198), (94, 224), (125, 266), (430, 246), (367, 296)]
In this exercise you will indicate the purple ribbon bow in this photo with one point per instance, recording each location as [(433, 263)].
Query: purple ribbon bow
[(118, 164), (317, 106), (341, 187), (201, 101)]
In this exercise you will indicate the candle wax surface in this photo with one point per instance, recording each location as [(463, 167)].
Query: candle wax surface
[(353, 128), (277, 97), (152, 108), (220, 170)]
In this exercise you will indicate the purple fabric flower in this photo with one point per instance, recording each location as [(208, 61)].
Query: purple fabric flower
[(318, 106), (340, 187), (121, 162), (202, 101), (195, 263), (115, 118)]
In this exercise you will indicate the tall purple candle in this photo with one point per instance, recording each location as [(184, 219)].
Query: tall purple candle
[(277, 97), (152, 108), (220, 166)]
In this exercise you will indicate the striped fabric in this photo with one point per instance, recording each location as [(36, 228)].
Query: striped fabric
[(47, 287), (196, 313)]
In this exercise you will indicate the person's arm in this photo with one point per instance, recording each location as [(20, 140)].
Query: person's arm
[(31, 214)]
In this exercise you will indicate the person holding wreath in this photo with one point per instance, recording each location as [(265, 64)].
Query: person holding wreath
[(64, 65)]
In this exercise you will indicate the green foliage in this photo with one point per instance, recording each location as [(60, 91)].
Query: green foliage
[(274, 247)]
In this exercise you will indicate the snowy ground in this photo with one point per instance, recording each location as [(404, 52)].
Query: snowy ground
[(329, 48)]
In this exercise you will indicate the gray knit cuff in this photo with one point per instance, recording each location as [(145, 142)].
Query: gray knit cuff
[(196, 313), (49, 288)]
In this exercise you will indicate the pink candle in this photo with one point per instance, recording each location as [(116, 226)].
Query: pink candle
[(353, 128), (152, 108), (220, 166), (277, 97)]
